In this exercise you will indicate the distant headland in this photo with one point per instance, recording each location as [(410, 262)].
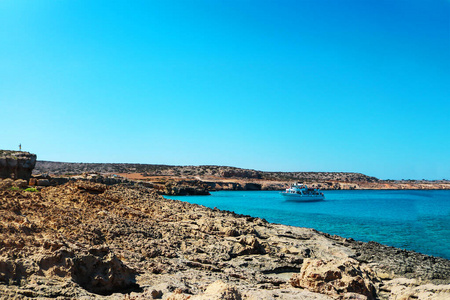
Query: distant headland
[(201, 179)]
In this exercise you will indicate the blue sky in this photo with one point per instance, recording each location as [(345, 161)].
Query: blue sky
[(355, 86)]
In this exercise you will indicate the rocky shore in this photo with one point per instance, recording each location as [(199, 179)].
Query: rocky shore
[(89, 240)]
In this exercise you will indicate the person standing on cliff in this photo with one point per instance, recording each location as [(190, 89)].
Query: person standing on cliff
[(20, 147)]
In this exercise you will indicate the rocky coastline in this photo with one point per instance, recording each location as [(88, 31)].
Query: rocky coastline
[(200, 180), (89, 240), (101, 235)]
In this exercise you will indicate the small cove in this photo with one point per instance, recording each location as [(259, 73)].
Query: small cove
[(409, 219)]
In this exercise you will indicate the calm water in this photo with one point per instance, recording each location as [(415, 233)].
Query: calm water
[(413, 220)]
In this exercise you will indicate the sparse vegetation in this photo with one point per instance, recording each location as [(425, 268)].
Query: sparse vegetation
[(61, 168)]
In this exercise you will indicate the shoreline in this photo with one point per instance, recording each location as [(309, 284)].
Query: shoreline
[(170, 249), (349, 235)]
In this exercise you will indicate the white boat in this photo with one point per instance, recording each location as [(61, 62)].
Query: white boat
[(300, 192)]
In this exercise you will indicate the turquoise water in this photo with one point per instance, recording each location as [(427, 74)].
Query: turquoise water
[(413, 220)]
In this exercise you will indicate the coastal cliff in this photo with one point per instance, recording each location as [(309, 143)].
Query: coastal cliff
[(124, 241)]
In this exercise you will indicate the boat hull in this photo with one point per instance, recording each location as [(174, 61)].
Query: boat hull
[(303, 198)]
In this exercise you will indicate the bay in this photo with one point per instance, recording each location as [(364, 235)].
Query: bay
[(409, 219)]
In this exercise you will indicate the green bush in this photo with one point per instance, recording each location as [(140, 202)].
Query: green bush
[(31, 190)]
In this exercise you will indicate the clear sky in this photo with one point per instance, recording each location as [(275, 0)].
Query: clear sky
[(355, 86)]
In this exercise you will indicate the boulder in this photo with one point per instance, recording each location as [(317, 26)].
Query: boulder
[(345, 279)]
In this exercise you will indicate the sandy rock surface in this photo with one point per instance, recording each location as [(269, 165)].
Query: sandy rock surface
[(89, 240)]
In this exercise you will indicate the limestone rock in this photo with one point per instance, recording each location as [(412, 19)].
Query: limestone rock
[(336, 278)]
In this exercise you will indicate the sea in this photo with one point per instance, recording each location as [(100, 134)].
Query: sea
[(417, 220)]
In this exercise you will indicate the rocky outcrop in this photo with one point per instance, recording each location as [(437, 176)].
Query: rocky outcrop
[(16, 164), (338, 278)]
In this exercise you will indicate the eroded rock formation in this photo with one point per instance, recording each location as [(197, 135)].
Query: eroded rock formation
[(16, 164), (336, 278)]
